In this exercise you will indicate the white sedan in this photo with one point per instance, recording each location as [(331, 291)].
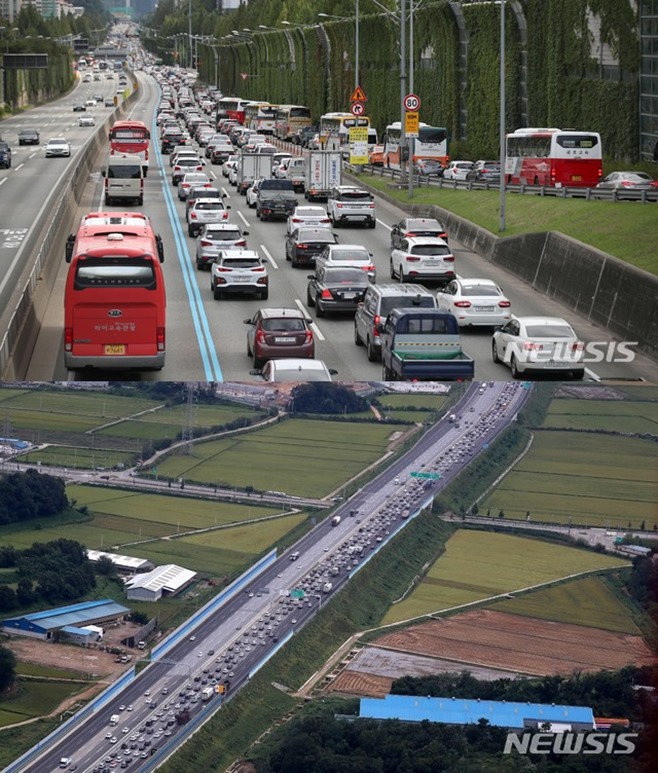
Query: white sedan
[(86, 120), (307, 214), (58, 146), (474, 302), (544, 344), (457, 170)]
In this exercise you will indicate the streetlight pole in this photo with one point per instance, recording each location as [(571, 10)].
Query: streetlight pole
[(356, 53), (189, 32), (501, 226), (403, 86)]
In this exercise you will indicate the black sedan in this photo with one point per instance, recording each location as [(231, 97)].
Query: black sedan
[(305, 243), (336, 288)]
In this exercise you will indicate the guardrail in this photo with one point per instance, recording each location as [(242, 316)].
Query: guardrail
[(590, 194)]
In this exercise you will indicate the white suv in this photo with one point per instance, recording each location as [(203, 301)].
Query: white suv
[(422, 257), (349, 204), (241, 271)]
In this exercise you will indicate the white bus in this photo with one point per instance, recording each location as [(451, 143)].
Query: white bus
[(260, 117), (432, 142), (338, 125)]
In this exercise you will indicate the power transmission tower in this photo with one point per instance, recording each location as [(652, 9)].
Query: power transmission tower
[(190, 412)]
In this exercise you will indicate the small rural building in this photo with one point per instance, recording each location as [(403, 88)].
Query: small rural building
[(126, 565), (48, 624), (468, 711), (74, 635), (169, 579)]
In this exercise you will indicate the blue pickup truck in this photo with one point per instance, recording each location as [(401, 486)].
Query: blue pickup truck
[(423, 345)]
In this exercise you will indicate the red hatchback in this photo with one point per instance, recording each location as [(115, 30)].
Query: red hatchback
[(277, 333)]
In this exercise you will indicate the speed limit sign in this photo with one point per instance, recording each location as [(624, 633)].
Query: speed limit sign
[(411, 102)]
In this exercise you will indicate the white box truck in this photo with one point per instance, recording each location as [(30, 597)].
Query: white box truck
[(253, 166), (323, 172)]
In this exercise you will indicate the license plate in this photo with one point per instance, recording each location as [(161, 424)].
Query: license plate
[(577, 178), (284, 340), (241, 279), (349, 296), (114, 349), (432, 262), (558, 364), (484, 308)]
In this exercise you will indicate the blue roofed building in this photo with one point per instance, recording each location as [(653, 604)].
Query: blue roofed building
[(46, 624), (469, 711)]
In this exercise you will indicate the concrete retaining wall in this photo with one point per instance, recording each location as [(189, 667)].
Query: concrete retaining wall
[(621, 299)]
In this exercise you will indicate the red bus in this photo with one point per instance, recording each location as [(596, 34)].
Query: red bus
[(131, 137), (231, 107), (554, 158), (114, 301)]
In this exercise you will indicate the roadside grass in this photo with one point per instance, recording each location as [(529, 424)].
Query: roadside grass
[(588, 601), (428, 403), (640, 391), (35, 698), (611, 415), (18, 740), (478, 564), (36, 669), (300, 457), (581, 479), (626, 230), (77, 457)]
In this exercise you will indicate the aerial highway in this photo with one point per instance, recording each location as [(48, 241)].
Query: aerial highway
[(228, 644), (206, 339)]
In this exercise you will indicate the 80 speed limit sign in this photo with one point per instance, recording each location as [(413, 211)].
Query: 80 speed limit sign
[(411, 102)]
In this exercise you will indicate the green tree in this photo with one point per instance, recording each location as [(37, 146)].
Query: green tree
[(7, 668)]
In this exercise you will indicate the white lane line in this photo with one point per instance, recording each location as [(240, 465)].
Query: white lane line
[(16, 168), (268, 256), (315, 328)]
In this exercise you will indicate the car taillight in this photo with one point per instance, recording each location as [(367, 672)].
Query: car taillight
[(532, 346), (463, 304), (258, 270), (308, 337), (260, 337), (410, 235), (68, 338), (302, 246), (160, 338), (504, 304), (326, 294), (205, 243), (449, 258), (297, 220), (412, 258), (241, 243), (224, 270), (193, 215), (577, 346), (325, 220)]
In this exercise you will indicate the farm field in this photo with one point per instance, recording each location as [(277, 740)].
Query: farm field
[(613, 415), (300, 457), (36, 699), (479, 564), (520, 644), (584, 479), (78, 457), (588, 602)]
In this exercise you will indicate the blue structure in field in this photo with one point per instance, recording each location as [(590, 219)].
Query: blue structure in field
[(43, 625), (468, 711)]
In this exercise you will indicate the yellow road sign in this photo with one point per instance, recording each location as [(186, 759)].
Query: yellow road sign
[(411, 124)]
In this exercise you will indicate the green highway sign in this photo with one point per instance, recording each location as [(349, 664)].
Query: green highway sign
[(427, 475), (298, 593)]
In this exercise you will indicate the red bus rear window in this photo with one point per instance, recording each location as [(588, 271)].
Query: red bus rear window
[(115, 272)]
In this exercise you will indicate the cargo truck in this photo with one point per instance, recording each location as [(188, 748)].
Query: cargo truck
[(323, 172), (253, 166), (423, 345), (335, 520), (207, 693), (114, 719), (327, 587)]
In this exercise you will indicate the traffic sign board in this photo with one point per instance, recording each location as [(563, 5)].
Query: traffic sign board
[(298, 593), (357, 108), (411, 124), (411, 102), (426, 475), (358, 95)]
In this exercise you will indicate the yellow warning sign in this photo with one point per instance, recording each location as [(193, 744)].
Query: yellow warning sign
[(358, 95), (411, 124)]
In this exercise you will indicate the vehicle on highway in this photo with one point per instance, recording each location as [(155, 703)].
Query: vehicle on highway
[(230, 163), (280, 163), (28, 137), (304, 244), (251, 194), (308, 214), (293, 369), (276, 198), (376, 155), (183, 165), (239, 271), (475, 302), (378, 302), (79, 107), (5, 154), (422, 258), (457, 170), (204, 211), (216, 237), (484, 172), (278, 333), (539, 344), (192, 179), (58, 146), (428, 167), (109, 102), (336, 288), (349, 204), (86, 120), (124, 178), (627, 181), (348, 255), (220, 151), (417, 226)]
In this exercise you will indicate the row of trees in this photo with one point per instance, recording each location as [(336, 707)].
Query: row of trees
[(30, 494)]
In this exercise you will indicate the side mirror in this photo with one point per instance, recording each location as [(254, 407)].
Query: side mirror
[(248, 321), (498, 327), (255, 372), (70, 241), (103, 172), (333, 372), (380, 328), (228, 206), (245, 233), (310, 276)]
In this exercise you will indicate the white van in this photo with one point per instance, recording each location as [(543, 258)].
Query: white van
[(295, 171), (124, 178)]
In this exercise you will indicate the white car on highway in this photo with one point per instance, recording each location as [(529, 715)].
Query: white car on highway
[(474, 302)]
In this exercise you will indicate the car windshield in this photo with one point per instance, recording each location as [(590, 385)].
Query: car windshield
[(551, 330), (291, 324)]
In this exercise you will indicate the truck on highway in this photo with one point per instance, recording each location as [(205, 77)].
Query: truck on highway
[(452, 418), (327, 587), (253, 166), (334, 571), (207, 693), (335, 520), (323, 172), (423, 345), (114, 719)]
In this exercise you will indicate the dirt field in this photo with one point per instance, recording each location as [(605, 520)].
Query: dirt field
[(510, 642), (351, 682)]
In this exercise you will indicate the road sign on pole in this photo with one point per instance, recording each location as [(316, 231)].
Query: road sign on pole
[(358, 95), (357, 108), (426, 475), (297, 593), (411, 102), (411, 124)]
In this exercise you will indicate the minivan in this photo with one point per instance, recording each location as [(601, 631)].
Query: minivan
[(377, 304), (124, 178)]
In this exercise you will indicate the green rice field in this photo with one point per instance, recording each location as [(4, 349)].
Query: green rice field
[(612, 415), (584, 479), (300, 457), (478, 564), (78, 458), (588, 601), (426, 402)]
